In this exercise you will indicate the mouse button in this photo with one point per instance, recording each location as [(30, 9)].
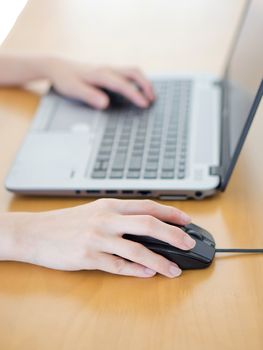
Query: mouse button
[(184, 259), (144, 239), (203, 251), (195, 234), (207, 241), (136, 238), (172, 253), (199, 230)]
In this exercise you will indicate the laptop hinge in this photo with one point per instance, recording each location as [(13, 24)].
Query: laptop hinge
[(215, 170)]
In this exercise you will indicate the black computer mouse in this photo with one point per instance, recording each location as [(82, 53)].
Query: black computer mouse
[(118, 101), (200, 257)]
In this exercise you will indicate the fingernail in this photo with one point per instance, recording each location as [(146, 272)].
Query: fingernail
[(149, 272), (189, 242), (186, 218), (174, 271)]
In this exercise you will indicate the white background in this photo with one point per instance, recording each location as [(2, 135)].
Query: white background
[(9, 11)]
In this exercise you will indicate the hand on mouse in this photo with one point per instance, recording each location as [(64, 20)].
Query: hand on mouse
[(84, 82), (76, 79), (89, 237)]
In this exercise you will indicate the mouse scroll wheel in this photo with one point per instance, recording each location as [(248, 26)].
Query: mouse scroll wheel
[(195, 234)]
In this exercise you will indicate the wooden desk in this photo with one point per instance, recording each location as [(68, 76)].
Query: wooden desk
[(218, 308)]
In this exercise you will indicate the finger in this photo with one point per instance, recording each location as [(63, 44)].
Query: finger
[(116, 83), (140, 79), (90, 95), (148, 207), (139, 254), (119, 266), (147, 225)]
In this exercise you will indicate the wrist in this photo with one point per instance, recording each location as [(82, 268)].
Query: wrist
[(48, 64), (13, 229)]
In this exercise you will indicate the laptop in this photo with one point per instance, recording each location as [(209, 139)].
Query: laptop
[(184, 146)]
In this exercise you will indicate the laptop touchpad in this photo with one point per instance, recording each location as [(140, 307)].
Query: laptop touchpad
[(53, 155), (70, 115)]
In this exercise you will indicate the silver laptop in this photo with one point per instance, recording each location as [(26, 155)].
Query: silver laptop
[(184, 146)]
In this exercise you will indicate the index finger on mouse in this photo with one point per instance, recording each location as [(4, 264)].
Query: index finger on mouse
[(147, 225)]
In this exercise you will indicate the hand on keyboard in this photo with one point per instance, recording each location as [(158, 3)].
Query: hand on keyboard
[(149, 143), (86, 82)]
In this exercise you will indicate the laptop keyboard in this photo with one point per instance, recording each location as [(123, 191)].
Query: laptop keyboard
[(147, 144)]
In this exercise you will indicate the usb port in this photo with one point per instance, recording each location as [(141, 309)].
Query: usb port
[(145, 193), (92, 191)]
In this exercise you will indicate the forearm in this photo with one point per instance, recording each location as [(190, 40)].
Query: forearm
[(19, 68)]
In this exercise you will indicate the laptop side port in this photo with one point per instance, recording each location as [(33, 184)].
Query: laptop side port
[(145, 193), (127, 192), (93, 192), (111, 192), (199, 195), (173, 197)]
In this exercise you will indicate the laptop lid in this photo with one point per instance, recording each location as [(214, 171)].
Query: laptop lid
[(242, 88)]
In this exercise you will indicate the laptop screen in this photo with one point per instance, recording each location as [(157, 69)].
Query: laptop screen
[(242, 80)]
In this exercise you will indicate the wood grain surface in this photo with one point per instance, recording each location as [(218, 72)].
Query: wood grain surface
[(217, 308)]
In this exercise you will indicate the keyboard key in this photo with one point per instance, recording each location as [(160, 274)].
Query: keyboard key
[(167, 174), (157, 132), (124, 143), (141, 134), (119, 161), (150, 174), (99, 174), (133, 174), (155, 145), (170, 148), (153, 159), (103, 157), (182, 163), (108, 137), (105, 151), (110, 129), (171, 142), (168, 164), (122, 150), (101, 165), (137, 153), (138, 147), (169, 154), (181, 175), (97, 165), (106, 144), (154, 152), (124, 138), (155, 139), (151, 166), (116, 174), (135, 163), (127, 129), (104, 165), (139, 140)]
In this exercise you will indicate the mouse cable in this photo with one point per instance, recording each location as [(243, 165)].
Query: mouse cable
[(238, 250)]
